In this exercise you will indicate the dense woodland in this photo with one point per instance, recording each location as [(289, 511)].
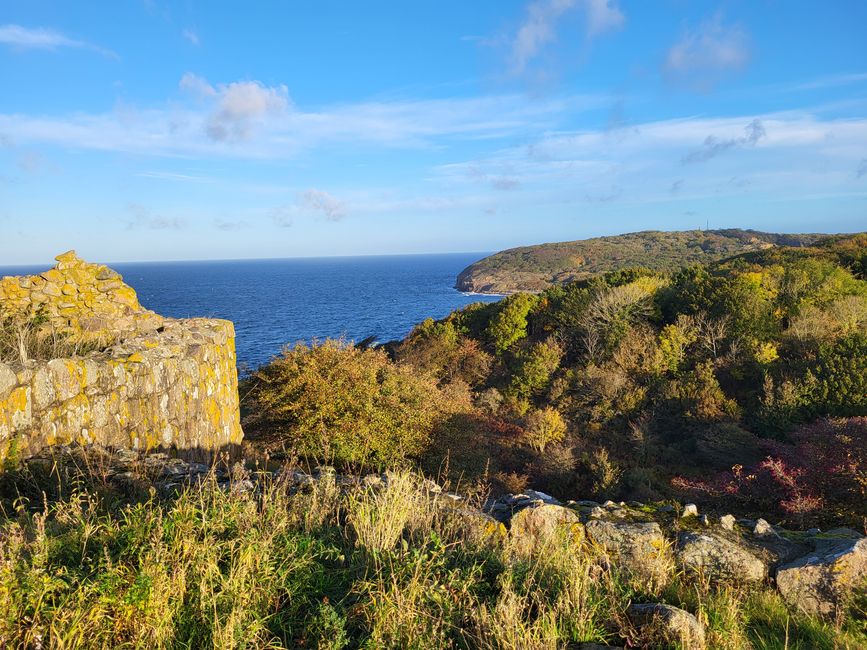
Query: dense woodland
[(741, 384)]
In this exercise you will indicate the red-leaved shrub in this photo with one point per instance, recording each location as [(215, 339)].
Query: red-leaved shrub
[(818, 476)]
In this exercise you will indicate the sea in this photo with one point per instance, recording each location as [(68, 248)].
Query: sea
[(280, 302)]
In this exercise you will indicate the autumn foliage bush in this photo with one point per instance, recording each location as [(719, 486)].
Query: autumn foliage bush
[(819, 475), (337, 403)]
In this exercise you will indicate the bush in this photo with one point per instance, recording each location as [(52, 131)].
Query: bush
[(545, 426), (337, 403)]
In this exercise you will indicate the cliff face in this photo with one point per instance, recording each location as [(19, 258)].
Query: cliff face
[(535, 268), (88, 364)]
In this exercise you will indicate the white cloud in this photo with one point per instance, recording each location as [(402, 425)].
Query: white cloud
[(142, 218), (240, 106), (41, 38), (540, 25), (192, 36), (766, 155), (250, 120), (321, 201), (705, 54), (196, 85)]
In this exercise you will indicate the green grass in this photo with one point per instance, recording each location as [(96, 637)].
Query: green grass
[(330, 568)]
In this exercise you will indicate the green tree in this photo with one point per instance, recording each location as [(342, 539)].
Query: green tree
[(509, 325)]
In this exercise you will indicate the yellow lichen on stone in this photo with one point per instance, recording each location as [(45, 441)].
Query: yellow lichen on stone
[(155, 381)]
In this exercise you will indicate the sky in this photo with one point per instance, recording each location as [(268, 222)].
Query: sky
[(151, 130)]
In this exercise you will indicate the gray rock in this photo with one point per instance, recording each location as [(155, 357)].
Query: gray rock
[(545, 522), (821, 582), (727, 522), (639, 548), (660, 625), (718, 558), (763, 528), (689, 510), (541, 496)]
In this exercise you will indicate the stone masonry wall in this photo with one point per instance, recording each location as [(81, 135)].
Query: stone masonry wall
[(150, 381)]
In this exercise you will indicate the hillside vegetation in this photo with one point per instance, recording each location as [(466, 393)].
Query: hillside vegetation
[(741, 384), (534, 268)]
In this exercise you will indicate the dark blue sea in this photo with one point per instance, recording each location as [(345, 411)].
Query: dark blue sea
[(275, 302)]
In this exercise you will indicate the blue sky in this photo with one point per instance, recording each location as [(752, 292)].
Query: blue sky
[(147, 130)]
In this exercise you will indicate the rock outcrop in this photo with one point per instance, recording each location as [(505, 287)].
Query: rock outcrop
[(94, 366), (719, 558), (822, 582), (638, 547)]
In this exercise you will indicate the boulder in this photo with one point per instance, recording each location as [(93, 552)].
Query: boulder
[(475, 526), (820, 583), (719, 558), (661, 625), (639, 548), (536, 525), (763, 529), (727, 522)]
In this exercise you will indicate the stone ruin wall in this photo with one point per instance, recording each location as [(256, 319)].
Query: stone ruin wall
[(146, 382)]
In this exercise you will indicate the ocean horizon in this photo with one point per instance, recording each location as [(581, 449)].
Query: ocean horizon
[(281, 301)]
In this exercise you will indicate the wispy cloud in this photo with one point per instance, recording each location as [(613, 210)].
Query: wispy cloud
[(228, 225), (42, 38), (171, 176), (705, 54), (247, 119), (192, 36), (539, 27), (323, 202), (827, 81), (714, 146), (644, 164), (282, 215), (141, 217)]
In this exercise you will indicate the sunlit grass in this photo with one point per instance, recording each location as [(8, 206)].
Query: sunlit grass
[(331, 567)]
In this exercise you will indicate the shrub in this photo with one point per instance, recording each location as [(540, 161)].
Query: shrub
[(819, 476), (334, 402), (545, 426)]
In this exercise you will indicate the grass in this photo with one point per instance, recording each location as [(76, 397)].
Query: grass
[(328, 568), (36, 339)]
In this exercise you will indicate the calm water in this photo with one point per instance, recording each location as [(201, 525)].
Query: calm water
[(274, 302)]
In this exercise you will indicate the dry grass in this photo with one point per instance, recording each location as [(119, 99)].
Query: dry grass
[(330, 567)]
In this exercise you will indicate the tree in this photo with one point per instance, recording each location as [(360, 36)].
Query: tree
[(509, 325)]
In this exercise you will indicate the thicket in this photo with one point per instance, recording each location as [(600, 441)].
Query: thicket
[(635, 384)]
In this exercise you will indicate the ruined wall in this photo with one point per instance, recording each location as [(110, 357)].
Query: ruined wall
[(131, 378)]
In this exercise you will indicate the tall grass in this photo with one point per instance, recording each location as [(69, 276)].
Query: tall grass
[(331, 567), (24, 340)]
